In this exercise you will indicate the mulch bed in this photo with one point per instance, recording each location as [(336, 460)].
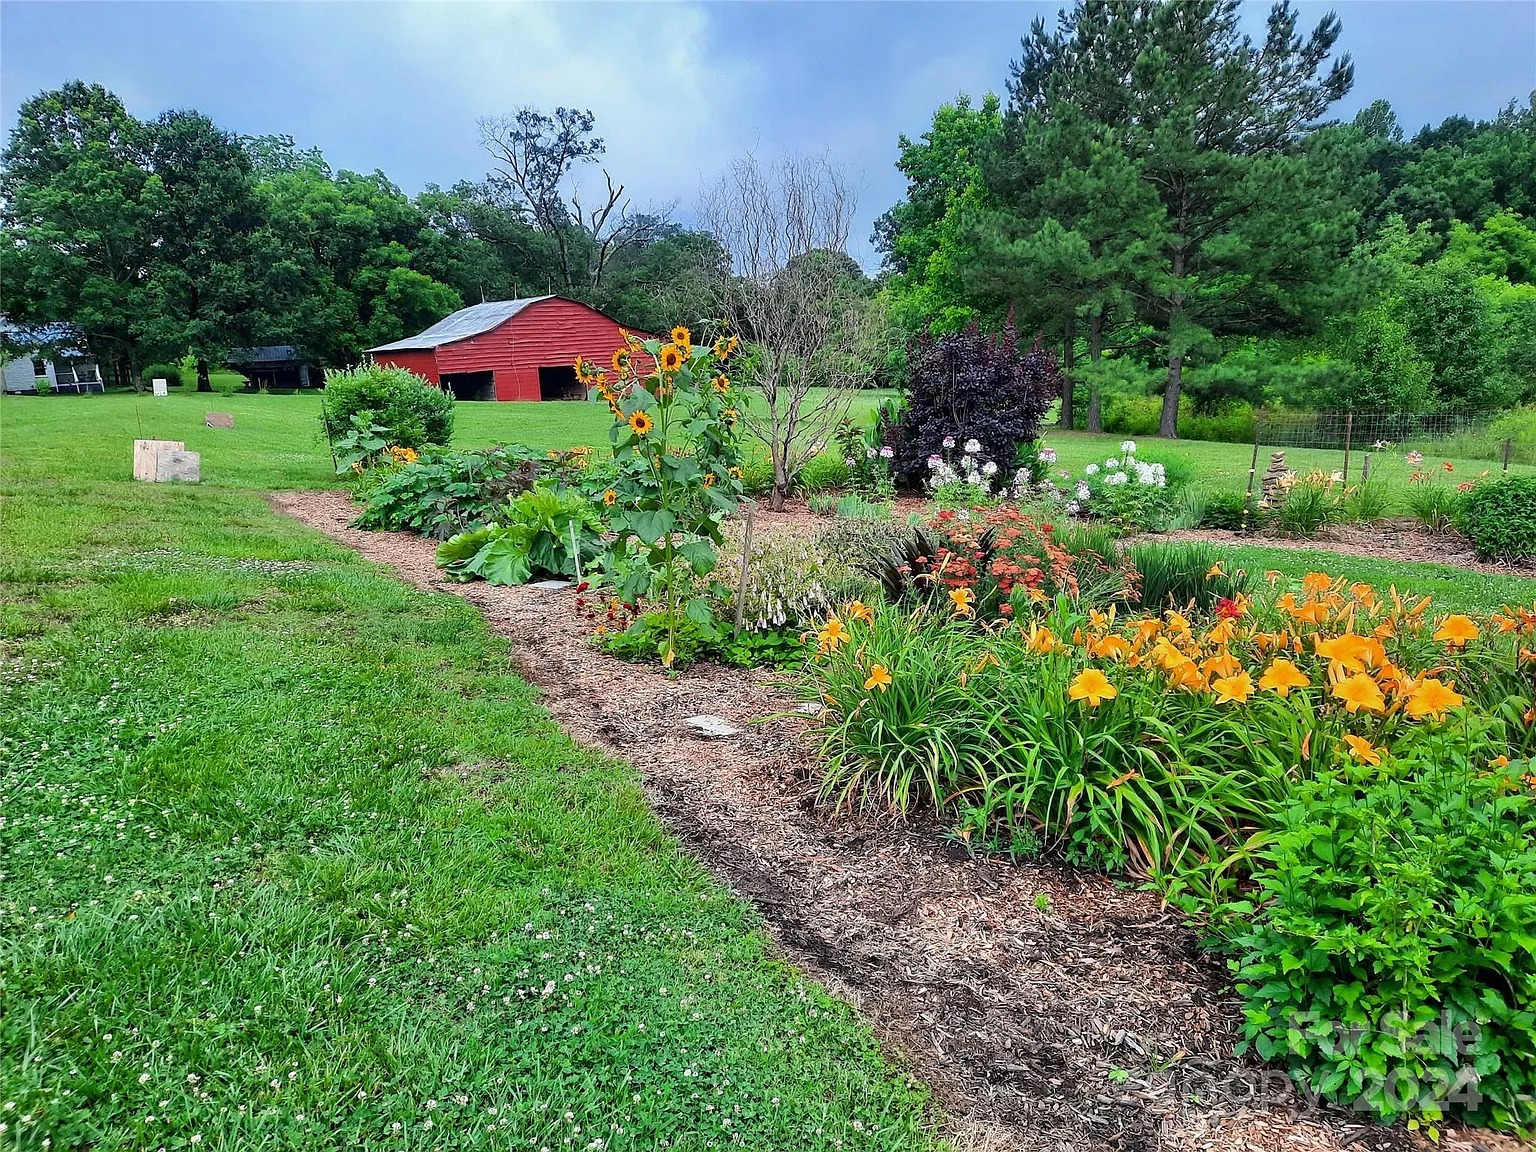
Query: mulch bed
[(1015, 1017)]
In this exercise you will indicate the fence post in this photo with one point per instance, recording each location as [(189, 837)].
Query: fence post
[(1349, 427), (746, 561), (1509, 444), (1253, 467)]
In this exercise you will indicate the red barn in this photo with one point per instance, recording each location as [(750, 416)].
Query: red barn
[(509, 349)]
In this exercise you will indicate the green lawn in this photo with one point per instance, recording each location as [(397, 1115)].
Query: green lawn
[(276, 444), (1219, 467), (289, 859)]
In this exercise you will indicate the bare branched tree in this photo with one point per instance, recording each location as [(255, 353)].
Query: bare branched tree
[(790, 295), (535, 155)]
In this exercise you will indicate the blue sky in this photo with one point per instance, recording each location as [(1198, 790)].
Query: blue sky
[(678, 89)]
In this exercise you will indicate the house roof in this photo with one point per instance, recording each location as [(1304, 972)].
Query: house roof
[(463, 324)]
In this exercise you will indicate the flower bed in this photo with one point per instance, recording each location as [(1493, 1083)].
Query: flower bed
[(1215, 755)]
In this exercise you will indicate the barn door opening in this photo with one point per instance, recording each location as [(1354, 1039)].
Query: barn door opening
[(560, 383), (471, 385)]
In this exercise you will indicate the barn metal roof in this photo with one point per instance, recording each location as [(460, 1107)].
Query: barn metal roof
[(461, 325), (264, 354)]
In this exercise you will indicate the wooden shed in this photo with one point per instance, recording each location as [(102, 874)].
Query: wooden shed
[(509, 349)]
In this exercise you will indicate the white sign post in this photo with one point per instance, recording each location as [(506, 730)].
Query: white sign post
[(160, 386)]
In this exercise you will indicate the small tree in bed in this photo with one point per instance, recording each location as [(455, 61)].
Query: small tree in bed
[(971, 386)]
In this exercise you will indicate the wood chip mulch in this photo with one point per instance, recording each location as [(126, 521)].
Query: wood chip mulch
[(1097, 1024)]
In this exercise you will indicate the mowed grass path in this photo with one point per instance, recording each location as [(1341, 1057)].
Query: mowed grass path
[(64, 441), (288, 859)]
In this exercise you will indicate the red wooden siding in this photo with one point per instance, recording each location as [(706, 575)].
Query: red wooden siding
[(550, 333), (423, 363)]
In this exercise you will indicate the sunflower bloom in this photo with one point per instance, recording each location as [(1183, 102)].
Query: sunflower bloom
[(1359, 691), (1233, 689), (963, 599), (671, 358), (682, 337), (641, 422), (1432, 698), (621, 360), (721, 384), (1361, 749), (1281, 676), (1456, 631), (879, 678), (609, 496), (1092, 686)]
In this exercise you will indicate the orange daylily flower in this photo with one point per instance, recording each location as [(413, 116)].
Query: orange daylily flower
[(1233, 689), (1112, 647), (1042, 640), (1222, 664), (1187, 676), (1281, 676), (1315, 582), (1359, 691), (1432, 698), (1348, 650), (832, 634), (1093, 686), (1362, 749), (879, 678), (858, 610), (1456, 631), (963, 598)]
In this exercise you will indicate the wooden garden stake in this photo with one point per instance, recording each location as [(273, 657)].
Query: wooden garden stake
[(746, 560), (575, 551), (1253, 467)]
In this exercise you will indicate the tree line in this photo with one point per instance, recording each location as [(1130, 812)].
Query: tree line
[(1165, 198), (154, 240)]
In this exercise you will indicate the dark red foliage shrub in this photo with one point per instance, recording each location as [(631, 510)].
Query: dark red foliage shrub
[(971, 386)]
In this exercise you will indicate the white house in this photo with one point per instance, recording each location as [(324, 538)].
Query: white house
[(68, 369)]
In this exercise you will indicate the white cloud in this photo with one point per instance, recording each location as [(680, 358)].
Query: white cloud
[(664, 91)]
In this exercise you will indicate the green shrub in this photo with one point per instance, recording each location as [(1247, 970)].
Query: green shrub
[(1391, 952), (540, 534), (170, 373), (1499, 517), (1180, 575), (412, 412), (1232, 423), (441, 494)]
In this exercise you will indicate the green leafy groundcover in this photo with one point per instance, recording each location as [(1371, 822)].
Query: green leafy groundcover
[(1390, 958)]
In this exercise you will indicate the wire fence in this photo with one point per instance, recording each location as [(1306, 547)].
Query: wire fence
[(1350, 444)]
